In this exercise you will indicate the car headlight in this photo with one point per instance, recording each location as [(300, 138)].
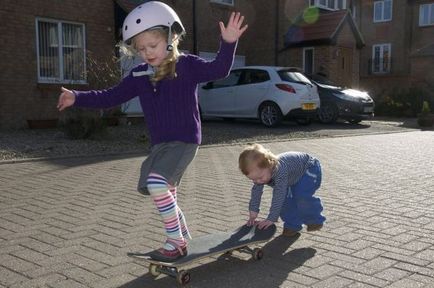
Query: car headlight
[(346, 97)]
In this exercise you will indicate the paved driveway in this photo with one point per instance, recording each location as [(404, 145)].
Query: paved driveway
[(70, 222)]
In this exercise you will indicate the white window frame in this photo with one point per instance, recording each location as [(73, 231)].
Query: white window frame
[(224, 2), (313, 58), (334, 3), (382, 19), (381, 68), (430, 8), (59, 79)]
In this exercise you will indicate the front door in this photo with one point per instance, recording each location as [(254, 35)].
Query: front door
[(308, 65), (345, 67)]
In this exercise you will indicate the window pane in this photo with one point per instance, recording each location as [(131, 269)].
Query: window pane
[(331, 4), (73, 52), (376, 64), (432, 14), (256, 76), (378, 11), (387, 10), (423, 14), (231, 80), (48, 50), (386, 55)]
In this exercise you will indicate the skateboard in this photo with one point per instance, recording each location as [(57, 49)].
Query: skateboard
[(208, 246)]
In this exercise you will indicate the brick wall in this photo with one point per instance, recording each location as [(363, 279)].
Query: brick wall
[(21, 97), (396, 32)]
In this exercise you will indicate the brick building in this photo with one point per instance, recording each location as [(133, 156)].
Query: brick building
[(372, 44), (399, 50), (35, 64)]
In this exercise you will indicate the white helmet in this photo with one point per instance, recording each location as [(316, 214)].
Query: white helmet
[(149, 15)]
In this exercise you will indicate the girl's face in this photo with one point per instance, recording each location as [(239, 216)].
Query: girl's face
[(152, 47), (259, 175)]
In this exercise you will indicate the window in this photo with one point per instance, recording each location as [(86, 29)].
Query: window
[(381, 58), (224, 2), (426, 15), (229, 81), (252, 76), (329, 4), (60, 51), (382, 11), (293, 76)]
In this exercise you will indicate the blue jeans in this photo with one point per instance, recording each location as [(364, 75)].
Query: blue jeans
[(301, 206)]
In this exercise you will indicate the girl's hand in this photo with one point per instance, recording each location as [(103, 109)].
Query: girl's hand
[(66, 99), (252, 217), (233, 31)]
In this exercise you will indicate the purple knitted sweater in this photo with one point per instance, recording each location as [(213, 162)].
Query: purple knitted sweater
[(171, 107)]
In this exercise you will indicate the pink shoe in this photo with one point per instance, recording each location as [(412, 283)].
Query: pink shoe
[(165, 255)]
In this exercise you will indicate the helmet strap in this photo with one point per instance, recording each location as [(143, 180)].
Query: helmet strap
[(169, 40)]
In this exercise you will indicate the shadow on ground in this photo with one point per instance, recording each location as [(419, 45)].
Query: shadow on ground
[(232, 271)]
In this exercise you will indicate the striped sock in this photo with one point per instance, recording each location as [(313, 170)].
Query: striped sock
[(181, 216), (166, 205)]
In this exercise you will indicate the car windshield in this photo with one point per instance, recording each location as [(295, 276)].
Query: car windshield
[(292, 76), (323, 81)]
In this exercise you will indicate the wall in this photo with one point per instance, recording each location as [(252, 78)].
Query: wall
[(396, 32), (21, 98)]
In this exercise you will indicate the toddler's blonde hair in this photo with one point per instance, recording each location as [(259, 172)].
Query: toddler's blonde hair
[(168, 67), (258, 155)]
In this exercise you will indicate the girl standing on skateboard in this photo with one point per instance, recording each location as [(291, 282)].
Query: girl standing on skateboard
[(294, 177), (166, 84)]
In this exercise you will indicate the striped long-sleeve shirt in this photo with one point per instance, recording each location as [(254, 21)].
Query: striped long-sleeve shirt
[(290, 168)]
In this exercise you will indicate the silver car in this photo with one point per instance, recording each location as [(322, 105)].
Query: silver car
[(267, 93)]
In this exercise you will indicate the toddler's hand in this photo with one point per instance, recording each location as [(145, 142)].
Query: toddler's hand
[(264, 224), (233, 30), (66, 99)]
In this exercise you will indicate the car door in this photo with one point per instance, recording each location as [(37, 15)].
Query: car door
[(216, 98), (250, 91)]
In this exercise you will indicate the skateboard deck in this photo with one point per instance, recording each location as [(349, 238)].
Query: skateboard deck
[(208, 246)]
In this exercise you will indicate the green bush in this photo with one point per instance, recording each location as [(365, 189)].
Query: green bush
[(425, 108), (79, 123), (401, 103)]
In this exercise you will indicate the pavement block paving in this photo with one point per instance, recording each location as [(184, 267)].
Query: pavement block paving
[(70, 222)]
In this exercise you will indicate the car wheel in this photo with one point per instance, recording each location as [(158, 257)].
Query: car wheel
[(327, 114), (270, 114)]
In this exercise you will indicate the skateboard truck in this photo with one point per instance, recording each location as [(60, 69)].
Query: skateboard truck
[(182, 276)]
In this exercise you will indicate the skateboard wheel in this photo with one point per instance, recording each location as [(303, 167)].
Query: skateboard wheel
[(153, 270), (258, 253), (183, 277)]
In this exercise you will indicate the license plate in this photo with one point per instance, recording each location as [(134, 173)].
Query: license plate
[(368, 109), (308, 106)]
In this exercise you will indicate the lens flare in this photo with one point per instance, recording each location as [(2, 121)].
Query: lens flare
[(310, 15)]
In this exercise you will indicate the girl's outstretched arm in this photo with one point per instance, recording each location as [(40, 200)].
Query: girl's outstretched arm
[(233, 30)]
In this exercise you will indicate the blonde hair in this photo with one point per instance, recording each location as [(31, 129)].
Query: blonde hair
[(168, 67), (258, 155)]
